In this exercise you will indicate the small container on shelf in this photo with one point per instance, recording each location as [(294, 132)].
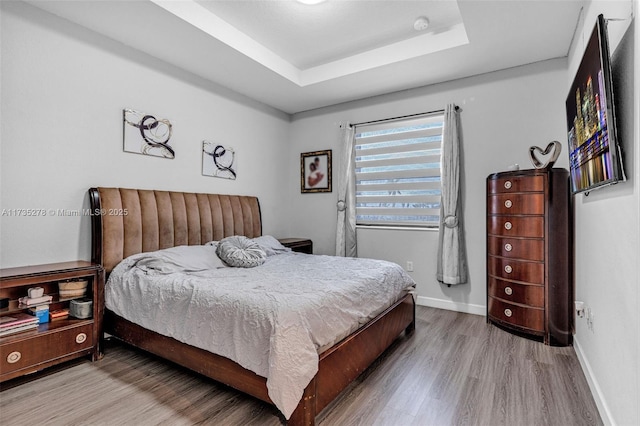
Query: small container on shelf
[(72, 289), (41, 312), (81, 308), (35, 292)]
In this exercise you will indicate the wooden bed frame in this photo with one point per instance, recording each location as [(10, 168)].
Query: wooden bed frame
[(130, 221)]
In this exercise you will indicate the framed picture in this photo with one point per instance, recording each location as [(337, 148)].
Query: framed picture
[(315, 171), (145, 134), (218, 161)]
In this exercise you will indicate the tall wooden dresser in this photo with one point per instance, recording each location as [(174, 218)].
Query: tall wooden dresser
[(530, 254)]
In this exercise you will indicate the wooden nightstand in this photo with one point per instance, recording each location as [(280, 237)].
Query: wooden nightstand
[(53, 342), (301, 245)]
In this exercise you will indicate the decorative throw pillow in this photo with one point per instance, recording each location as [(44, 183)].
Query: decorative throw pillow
[(241, 252)]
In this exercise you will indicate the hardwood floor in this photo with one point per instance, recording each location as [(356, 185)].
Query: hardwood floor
[(454, 370)]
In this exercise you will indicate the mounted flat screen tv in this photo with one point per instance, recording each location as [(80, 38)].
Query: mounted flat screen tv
[(594, 153)]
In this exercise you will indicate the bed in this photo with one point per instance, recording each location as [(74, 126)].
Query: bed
[(128, 222)]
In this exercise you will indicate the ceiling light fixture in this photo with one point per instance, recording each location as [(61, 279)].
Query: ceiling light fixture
[(311, 1), (421, 24)]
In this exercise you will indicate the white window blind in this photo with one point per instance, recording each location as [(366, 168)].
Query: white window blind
[(398, 172)]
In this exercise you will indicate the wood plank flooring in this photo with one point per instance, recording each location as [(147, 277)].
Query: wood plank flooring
[(454, 370)]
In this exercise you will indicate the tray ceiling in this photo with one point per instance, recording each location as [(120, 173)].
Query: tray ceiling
[(297, 57)]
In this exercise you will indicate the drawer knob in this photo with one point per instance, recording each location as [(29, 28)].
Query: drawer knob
[(508, 290), (508, 247), (508, 312), (508, 225), (508, 204), (507, 184), (81, 338), (14, 357), (508, 269)]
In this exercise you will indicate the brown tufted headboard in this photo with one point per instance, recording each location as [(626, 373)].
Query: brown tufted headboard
[(129, 221)]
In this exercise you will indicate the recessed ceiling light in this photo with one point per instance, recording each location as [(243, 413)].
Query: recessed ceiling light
[(311, 1), (421, 24)]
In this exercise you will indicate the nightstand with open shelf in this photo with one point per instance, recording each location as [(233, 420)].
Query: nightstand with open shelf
[(301, 245), (53, 342)]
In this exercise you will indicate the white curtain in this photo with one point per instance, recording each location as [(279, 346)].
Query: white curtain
[(452, 261), (346, 228)]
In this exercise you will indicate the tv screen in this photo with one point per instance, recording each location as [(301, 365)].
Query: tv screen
[(594, 153)]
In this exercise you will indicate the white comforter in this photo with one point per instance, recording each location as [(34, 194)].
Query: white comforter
[(273, 319)]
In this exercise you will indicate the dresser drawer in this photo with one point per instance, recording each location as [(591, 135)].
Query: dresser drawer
[(528, 249), (530, 295), (516, 226), (515, 184), (521, 316), (516, 204), (28, 352), (518, 270)]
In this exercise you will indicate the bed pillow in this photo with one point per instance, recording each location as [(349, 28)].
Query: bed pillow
[(180, 259), (270, 245), (240, 252), (214, 244)]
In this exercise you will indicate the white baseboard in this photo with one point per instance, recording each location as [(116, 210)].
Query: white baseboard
[(452, 306), (601, 403)]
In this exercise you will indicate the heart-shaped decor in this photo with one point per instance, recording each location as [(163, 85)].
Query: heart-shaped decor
[(552, 151)]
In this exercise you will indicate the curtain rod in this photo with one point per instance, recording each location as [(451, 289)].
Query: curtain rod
[(401, 117)]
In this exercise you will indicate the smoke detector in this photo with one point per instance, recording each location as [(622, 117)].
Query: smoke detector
[(421, 24)]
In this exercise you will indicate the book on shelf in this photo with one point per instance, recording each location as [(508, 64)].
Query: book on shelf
[(59, 314), (16, 323), (19, 328), (32, 301), (15, 320)]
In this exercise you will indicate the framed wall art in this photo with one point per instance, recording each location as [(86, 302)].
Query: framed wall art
[(315, 171), (218, 161), (146, 134)]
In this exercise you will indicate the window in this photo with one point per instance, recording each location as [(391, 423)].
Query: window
[(398, 172)]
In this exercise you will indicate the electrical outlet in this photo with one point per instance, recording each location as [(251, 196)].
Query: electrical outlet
[(589, 315), (409, 266)]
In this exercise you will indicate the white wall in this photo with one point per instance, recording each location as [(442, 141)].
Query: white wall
[(607, 234), (503, 114), (63, 91)]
